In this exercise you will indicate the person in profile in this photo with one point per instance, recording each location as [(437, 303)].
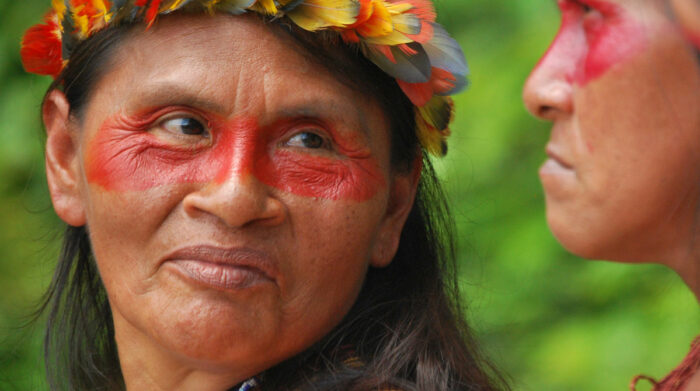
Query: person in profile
[(621, 86)]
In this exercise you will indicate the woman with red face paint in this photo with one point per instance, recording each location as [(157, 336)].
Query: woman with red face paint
[(621, 84), (249, 198)]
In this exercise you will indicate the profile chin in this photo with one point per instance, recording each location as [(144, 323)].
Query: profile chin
[(557, 179)]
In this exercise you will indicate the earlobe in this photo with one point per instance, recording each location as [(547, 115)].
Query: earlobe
[(401, 198), (62, 160)]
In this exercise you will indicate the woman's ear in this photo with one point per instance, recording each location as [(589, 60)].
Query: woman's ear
[(62, 159), (401, 197)]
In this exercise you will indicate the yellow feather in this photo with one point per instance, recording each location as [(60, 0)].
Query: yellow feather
[(407, 23), (175, 5), (265, 6), (395, 23), (438, 113), (317, 14), (210, 5), (60, 8), (372, 28), (82, 23), (431, 140), (396, 9), (104, 11), (100, 5), (392, 39)]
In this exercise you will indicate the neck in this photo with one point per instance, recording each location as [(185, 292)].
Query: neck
[(146, 365), (687, 263), (681, 239)]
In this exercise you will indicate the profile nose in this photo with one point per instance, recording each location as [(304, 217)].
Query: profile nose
[(241, 200), (548, 91)]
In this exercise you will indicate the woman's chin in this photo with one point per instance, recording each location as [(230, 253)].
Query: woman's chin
[(575, 231)]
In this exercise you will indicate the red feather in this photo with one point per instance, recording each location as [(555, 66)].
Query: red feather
[(350, 36), (152, 12), (420, 94), (41, 48)]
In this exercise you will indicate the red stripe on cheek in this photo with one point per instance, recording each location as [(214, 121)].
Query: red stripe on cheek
[(613, 37), (588, 45), (122, 156), (693, 37), (567, 51), (356, 179)]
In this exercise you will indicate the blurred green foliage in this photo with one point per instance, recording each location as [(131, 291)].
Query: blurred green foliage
[(551, 321)]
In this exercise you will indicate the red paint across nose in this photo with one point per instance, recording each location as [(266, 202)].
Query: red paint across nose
[(125, 156), (589, 44), (237, 149)]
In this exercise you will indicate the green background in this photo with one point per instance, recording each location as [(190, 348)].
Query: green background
[(550, 320)]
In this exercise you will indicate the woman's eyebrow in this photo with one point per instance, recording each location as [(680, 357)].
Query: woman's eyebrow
[(327, 109), (167, 93)]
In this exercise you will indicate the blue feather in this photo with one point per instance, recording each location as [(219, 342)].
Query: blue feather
[(413, 68), (445, 53)]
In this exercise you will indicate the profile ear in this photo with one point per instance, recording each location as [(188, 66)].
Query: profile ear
[(62, 159), (401, 198)]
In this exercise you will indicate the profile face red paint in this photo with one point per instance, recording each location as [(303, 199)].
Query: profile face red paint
[(693, 37), (125, 156), (594, 37)]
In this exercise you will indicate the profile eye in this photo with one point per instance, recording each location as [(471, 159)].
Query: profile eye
[(581, 5), (585, 7), (186, 126), (308, 140)]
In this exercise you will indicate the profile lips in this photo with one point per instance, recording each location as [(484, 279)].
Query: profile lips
[(236, 257), (552, 154)]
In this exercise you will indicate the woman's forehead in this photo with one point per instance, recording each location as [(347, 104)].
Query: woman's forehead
[(223, 63)]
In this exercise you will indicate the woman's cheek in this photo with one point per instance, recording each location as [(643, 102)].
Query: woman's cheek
[(320, 177), (125, 160)]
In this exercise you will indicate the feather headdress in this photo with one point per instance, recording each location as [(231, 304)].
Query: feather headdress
[(400, 36)]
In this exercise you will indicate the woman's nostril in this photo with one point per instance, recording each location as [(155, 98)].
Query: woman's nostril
[(545, 112)]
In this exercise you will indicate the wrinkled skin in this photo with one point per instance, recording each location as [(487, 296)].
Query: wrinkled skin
[(235, 195), (621, 85)]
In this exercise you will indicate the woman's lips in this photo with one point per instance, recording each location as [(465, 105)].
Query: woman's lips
[(554, 163), (558, 177), (231, 269)]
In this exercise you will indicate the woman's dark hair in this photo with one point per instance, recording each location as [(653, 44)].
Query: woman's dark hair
[(407, 328)]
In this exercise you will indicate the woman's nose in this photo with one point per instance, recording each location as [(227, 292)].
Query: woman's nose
[(548, 91), (240, 200)]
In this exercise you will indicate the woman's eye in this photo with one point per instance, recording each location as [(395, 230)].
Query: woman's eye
[(585, 7), (580, 5), (308, 140), (186, 126)]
